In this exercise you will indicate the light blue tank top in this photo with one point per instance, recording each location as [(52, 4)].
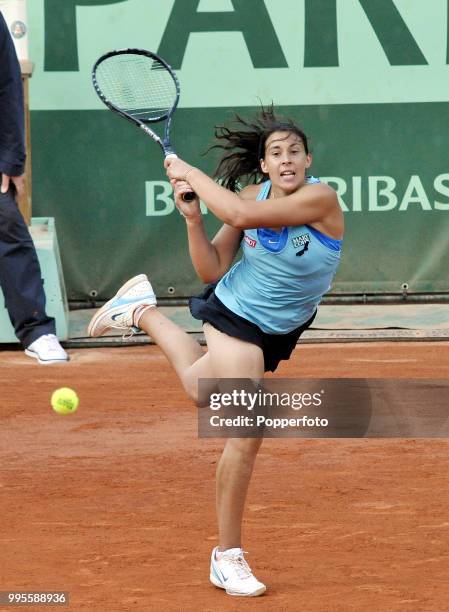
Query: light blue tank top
[(282, 276)]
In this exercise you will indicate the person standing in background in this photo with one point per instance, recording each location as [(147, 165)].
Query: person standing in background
[(20, 273)]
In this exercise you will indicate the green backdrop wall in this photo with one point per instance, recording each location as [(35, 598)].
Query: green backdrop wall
[(368, 81)]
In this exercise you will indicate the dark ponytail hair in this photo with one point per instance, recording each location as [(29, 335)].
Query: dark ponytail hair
[(244, 146)]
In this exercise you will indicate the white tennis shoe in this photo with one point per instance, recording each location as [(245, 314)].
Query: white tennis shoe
[(118, 312), (46, 349), (232, 573)]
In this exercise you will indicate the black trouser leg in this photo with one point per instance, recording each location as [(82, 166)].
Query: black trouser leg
[(20, 275)]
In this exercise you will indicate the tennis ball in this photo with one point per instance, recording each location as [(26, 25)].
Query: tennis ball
[(64, 400)]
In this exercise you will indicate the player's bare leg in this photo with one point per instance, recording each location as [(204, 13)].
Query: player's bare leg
[(234, 358), (227, 358), (234, 472), (180, 349), (183, 352), (134, 306)]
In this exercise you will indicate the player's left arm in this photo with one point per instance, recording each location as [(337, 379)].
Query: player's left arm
[(311, 203)]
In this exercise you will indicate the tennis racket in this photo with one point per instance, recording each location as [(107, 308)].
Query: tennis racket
[(141, 87)]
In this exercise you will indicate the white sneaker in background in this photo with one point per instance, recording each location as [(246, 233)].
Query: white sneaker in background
[(47, 349)]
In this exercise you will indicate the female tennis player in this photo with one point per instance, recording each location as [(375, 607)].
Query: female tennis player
[(290, 228)]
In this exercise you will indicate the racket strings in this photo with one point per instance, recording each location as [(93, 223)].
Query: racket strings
[(137, 84)]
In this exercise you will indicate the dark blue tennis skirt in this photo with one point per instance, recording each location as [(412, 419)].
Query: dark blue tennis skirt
[(208, 308)]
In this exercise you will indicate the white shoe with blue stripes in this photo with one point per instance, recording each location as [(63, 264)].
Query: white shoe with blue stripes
[(232, 573), (118, 312)]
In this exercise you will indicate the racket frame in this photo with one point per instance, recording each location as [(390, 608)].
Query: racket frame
[(163, 142)]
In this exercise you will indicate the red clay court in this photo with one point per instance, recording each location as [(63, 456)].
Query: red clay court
[(115, 503)]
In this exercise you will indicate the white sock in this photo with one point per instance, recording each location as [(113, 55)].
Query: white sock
[(137, 314), (219, 553)]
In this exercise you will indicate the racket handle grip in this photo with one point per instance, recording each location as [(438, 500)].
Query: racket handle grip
[(190, 195)]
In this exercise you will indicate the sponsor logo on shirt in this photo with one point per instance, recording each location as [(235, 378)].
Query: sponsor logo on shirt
[(250, 241), (301, 242)]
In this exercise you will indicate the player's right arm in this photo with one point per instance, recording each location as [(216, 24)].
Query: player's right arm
[(210, 258)]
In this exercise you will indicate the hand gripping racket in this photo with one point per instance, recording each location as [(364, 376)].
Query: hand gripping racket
[(141, 87)]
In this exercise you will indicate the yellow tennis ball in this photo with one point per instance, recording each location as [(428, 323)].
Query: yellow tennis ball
[(64, 400)]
